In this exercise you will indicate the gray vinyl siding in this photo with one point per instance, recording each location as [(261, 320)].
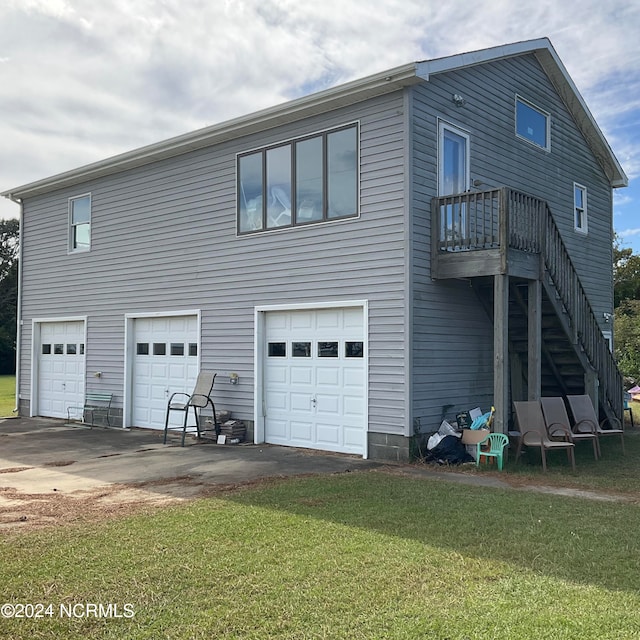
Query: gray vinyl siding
[(452, 335), (163, 238), (499, 158)]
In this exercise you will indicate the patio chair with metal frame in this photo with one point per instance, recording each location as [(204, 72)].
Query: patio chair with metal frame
[(584, 416), (557, 420), (533, 433), (199, 399)]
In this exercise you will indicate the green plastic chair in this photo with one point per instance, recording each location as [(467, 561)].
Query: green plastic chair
[(497, 443)]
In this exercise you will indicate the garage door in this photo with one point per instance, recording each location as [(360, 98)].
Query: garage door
[(60, 368), (165, 361), (315, 379)]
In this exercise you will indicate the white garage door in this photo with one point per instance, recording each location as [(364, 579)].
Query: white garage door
[(315, 379), (60, 368), (165, 360)]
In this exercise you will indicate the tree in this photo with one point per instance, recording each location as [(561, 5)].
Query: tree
[(9, 237), (626, 326), (626, 274)]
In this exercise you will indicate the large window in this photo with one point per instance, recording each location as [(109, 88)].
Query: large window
[(580, 208), (312, 179), (80, 223), (532, 124)]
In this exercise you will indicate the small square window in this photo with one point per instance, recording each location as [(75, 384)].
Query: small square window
[(58, 349), (159, 349), (354, 349), (301, 349), (193, 348), (532, 124), (142, 348), (72, 349), (81, 349), (277, 349), (177, 348), (46, 349), (327, 349)]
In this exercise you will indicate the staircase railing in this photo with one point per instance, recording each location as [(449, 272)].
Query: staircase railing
[(505, 218), (567, 284)]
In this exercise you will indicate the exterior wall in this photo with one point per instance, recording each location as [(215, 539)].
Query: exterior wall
[(163, 238), (452, 335)]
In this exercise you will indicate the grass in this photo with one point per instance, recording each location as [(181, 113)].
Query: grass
[(613, 473), (361, 555), (7, 395)]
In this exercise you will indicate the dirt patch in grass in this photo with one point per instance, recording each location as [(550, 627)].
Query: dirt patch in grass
[(20, 511)]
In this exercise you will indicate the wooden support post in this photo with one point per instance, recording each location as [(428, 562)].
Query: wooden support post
[(501, 352), (534, 343)]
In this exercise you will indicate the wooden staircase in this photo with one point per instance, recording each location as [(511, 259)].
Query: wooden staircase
[(505, 232)]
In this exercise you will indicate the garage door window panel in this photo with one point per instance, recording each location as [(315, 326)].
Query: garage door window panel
[(354, 349), (277, 349), (159, 349), (327, 349), (177, 349), (301, 349)]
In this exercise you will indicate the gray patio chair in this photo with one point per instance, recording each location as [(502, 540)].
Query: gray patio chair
[(199, 399), (533, 433), (557, 421), (584, 417)]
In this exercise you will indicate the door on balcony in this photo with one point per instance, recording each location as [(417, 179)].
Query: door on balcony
[(453, 178)]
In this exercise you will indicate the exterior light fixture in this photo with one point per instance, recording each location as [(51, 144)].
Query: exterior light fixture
[(458, 100)]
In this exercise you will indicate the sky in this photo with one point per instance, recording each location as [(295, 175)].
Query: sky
[(82, 80)]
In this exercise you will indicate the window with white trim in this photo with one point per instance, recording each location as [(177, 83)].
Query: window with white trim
[(532, 124), (453, 178), (302, 181), (80, 223), (579, 208)]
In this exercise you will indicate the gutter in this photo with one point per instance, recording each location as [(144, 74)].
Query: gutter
[(19, 202)]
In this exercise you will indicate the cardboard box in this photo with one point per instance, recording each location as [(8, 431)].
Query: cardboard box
[(473, 436)]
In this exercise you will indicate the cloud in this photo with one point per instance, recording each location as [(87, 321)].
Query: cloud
[(84, 80), (629, 232)]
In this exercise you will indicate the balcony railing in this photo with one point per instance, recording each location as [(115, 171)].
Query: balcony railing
[(488, 220), (506, 219)]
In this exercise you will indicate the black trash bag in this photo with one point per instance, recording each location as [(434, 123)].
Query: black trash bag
[(449, 450)]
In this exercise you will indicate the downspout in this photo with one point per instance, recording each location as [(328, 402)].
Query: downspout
[(19, 202)]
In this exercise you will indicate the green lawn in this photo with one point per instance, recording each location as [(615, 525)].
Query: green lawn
[(7, 395), (353, 556)]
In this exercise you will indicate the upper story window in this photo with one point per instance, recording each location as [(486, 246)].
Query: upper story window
[(580, 208), (532, 124), (80, 223), (311, 179)]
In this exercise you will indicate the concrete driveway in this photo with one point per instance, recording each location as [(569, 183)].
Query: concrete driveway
[(46, 459), (53, 454)]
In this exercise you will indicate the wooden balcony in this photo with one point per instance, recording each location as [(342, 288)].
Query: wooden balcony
[(496, 232)]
